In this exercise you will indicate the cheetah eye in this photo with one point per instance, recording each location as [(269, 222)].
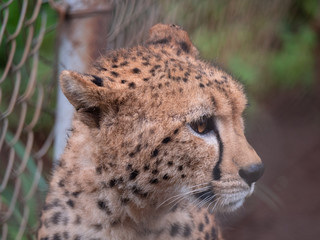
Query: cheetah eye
[(204, 125)]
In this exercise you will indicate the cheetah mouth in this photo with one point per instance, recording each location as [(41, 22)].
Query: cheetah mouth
[(224, 201)]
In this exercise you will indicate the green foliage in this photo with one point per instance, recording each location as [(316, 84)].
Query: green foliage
[(27, 178), (45, 68), (45, 78), (266, 45), (294, 64)]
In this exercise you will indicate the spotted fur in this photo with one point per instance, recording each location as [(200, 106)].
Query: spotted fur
[(134, 168)]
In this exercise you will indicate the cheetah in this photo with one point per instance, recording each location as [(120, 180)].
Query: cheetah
[(157, 147)]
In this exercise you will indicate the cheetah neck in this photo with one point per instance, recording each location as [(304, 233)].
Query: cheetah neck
[(101, 193)]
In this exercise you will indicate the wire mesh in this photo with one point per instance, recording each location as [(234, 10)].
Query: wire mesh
[(27, 98)]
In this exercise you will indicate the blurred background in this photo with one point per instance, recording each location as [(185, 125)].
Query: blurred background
[(272, 47)]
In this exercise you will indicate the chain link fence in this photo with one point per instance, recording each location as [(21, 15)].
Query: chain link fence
[(27, 97), (28, 89)]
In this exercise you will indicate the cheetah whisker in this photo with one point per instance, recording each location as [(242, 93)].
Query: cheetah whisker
[(180, 196), (215, 202)]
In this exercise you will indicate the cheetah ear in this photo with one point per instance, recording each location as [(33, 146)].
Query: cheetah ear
[(87, 94), (173, 36), (82, 90)]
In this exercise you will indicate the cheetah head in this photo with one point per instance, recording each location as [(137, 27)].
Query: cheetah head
[(164, 125)]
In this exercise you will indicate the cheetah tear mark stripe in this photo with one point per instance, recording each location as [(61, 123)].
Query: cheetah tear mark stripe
[(216, 170)]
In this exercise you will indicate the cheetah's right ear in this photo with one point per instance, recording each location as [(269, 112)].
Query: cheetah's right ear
[(87, 94)]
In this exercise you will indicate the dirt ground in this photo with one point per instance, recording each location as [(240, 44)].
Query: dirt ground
[(286, 204)]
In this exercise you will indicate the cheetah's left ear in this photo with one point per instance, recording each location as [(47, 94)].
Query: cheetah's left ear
[(173, 36), (88, 96)]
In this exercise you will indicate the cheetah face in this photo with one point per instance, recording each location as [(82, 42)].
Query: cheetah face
[(165, 126), (225, 191)]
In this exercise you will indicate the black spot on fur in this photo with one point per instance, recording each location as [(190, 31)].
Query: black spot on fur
[(175, 228), (99, 170), (180, 168), (154, 181), (112, 183), (200, 227), (76, 194), (115, 74), (206, 219), (65, 235), (146, 167), (161, 41), (131, 154), (125, 63), (155, 171), (184, 46), (166, 140), (176, 131), (198, 77), (139, 192), (97, 81), (187, 231), (165, 177), (133, 174), (170, 163), (56, 236), (102, 205), (129, 166), (125, 201), (56, 218), (97, 227), (115, 66), (207, 236), (146, 79), (110, 79), (77, 221), (138, 148), (136, 70), (201, 85), (213, 233), (123, 81), (61, 183), (155, 153), (132, 85), (183, 176), (70, 203), (120, 180), (213, 100), (115, 222)]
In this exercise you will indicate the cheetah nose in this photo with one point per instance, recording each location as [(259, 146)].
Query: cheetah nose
[(251, 173)]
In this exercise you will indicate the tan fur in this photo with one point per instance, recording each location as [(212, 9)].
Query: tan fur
[(132, 149)]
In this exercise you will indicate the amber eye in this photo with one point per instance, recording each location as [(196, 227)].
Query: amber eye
[(203, 125)]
